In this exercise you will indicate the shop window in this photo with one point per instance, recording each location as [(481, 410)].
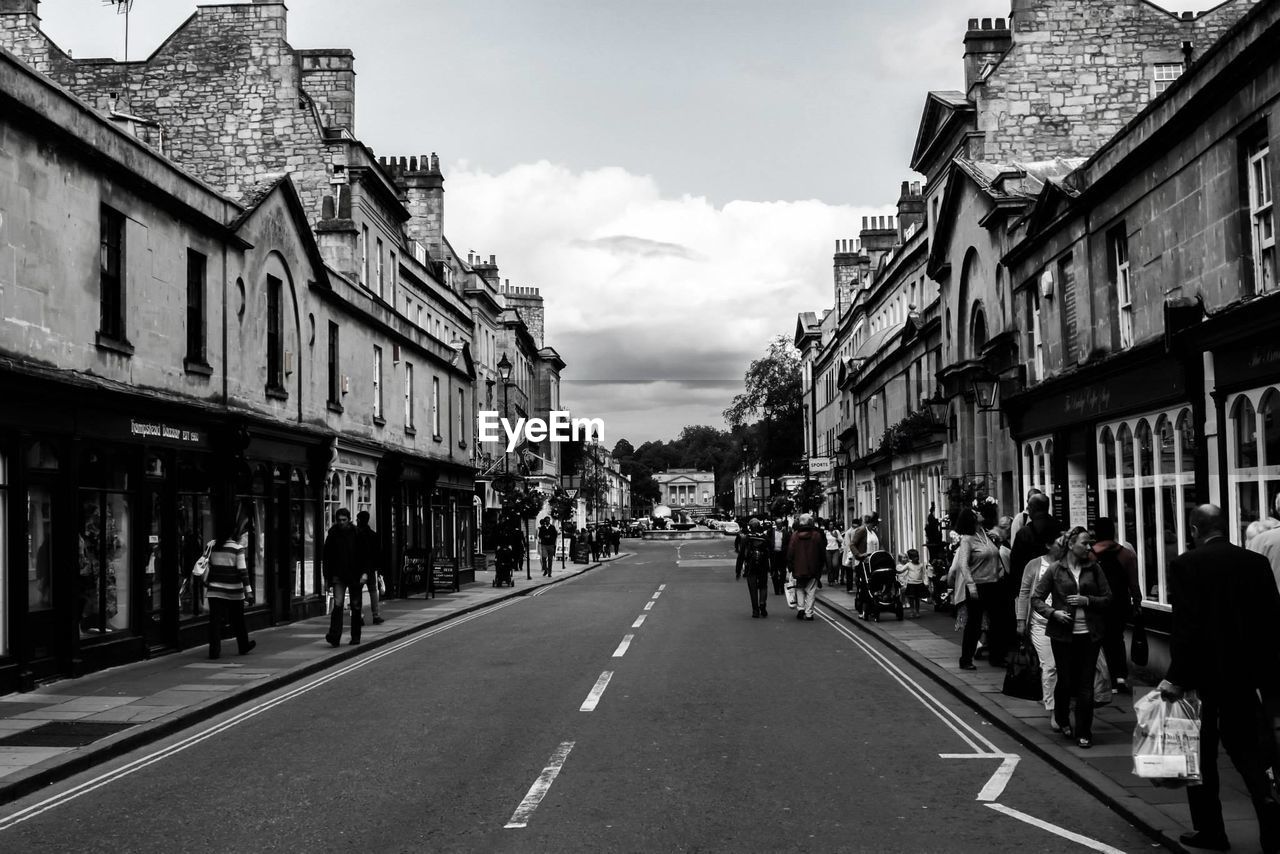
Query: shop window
[(1253, 454), (306, 571), (4, 554), (196, 310), (1147, 486), (332, 498), (111, 277), (195, 530), (349, 493), (1037, 467), (104, 547)]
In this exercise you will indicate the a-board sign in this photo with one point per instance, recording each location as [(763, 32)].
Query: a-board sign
[(414, 577), (444, 575)]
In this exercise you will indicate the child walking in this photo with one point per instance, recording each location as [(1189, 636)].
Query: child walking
[(916, 576)]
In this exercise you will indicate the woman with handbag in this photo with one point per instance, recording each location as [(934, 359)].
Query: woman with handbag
[(1076, 624), (978, 559), (1034, 624)]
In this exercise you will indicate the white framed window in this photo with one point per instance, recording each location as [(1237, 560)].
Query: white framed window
[(435, 407), (377, 382), (1162, 76), (1146, 479), (382, 293), (1124, 286), (1262, 231), (462, 418), (1037, 466), (1253, 456), (395, 277), (364, 255), (408, 395)]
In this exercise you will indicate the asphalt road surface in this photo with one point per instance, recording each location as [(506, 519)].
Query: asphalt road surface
[(638, 707)]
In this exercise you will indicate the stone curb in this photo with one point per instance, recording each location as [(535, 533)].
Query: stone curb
[(82, 759), (1137, 812)]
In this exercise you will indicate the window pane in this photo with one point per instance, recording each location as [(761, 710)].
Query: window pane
[(1108, 455), (1246, 428)]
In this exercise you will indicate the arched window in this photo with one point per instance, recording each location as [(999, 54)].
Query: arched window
[(977, 330)]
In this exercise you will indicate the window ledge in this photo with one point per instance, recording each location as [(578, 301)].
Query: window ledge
[(462, 444), (197, 366), (437, 438), (275, 392), (379, 421), (114, 345), (334, 406), (409, 431)]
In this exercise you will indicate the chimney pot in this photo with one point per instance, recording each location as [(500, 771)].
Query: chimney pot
[(1001, 24), (986, 23), (973, 23), (864, 223)]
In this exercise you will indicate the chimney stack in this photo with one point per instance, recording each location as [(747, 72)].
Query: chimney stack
[(985, 42)]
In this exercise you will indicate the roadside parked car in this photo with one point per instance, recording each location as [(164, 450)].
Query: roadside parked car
[(729, 528)]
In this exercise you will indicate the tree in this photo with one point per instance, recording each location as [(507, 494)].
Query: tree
[(773, 396), (622, 450)]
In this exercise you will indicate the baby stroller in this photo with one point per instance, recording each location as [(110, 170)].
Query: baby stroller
[(504, 566), (879, 588)]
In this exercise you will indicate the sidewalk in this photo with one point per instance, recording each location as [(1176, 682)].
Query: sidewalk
[(931, 644), (69, 726)]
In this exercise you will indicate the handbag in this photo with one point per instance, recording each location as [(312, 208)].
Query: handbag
[(382, 585), (1101, 682), (1138, 647), (201, 567), (1022, 676)]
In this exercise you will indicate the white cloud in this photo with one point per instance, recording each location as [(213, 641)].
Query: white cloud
[(639, 286)]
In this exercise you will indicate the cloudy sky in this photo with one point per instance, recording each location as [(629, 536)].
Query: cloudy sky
[(673, 174)]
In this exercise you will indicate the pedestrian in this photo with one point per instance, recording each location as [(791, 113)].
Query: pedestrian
[(1039, 529), (228, 586), (509, 550), (806, 560), (1120, 565), (980, 556), (864, 541), (597, 541), (964, 599), (1080, 597), (547, 535), (753, 562), (342, 569), (832, 534), (1034, 624), (369, 554), (615, 539), (915, 577), (1224, 645), (1025, 516), (779, 540), (1267, 543)]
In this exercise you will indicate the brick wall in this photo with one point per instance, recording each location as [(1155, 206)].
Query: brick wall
[(1079, 70)]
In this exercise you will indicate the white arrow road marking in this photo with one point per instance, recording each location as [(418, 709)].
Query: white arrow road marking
[(593, 699), (540, 787), (639, 621), (1092, 844), (622, 647), (995, 786)]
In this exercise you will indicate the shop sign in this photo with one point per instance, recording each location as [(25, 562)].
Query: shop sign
[(444, 576), (1136, 388), (1259, 362), (356, 462), (413, 573), (819, 464), (159, 431)]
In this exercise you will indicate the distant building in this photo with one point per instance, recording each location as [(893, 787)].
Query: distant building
[(687, 489)]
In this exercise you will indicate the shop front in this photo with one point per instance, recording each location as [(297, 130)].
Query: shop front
[(103, 512), (1118, 440)]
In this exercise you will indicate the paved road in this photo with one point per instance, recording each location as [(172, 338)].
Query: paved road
[(636, 708)]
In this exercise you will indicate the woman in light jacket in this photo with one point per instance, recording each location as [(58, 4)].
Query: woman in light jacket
[(1029, 619), (1078, 589), (977, 558)]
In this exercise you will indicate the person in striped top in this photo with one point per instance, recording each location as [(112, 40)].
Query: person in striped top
[(228, 587)]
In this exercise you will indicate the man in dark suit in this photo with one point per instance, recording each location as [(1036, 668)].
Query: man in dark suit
[(1224, 645)]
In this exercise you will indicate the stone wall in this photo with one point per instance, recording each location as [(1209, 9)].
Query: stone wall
[(1079, 70), (225, 88)]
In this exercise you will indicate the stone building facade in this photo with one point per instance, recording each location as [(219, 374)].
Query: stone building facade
[(1149, 275)]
